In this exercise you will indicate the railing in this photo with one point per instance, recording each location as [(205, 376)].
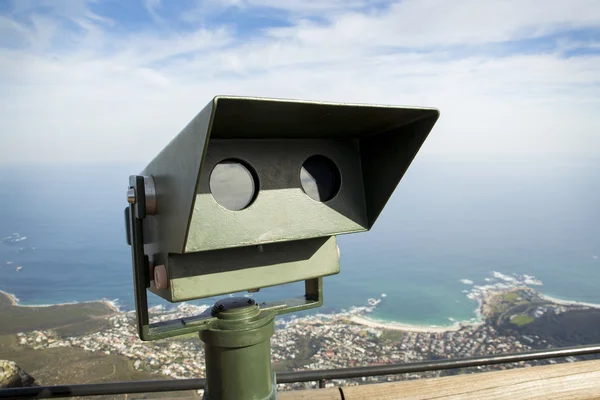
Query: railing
[(565, 381), (320, 376)]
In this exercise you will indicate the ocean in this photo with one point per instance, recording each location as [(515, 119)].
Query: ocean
[(450, 224)]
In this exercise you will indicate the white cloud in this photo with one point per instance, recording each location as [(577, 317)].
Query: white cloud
[(84, 103), (416, 23)]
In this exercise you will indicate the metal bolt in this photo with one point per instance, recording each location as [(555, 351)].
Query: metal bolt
[(160, 277), (131, 196)]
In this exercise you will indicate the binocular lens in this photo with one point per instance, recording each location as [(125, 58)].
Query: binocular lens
[(233, 185), (320, 178)]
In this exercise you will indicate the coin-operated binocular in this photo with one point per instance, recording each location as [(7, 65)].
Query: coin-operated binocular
[(251, 194)]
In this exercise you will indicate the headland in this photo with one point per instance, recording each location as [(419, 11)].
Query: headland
[(68, 318)]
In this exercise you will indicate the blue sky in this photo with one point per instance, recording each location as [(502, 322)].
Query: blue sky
[(83, 81)]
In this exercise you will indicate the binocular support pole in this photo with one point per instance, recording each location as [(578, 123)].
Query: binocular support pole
[(238, 352)]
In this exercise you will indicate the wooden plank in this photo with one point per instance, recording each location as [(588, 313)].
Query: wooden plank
[(578, 380), (314, 394)]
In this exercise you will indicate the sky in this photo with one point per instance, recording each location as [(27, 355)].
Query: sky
[(85, 81)]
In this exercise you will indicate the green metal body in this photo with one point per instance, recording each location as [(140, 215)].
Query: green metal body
[(135, 213), (371, 145), (238, 352), (240, 268)]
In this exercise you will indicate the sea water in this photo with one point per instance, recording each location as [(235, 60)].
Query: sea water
[(449, 225)]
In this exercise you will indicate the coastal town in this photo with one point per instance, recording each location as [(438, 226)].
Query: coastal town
[(334, 340), (345, 339)]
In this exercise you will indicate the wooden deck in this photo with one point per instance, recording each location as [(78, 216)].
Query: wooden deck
[(578, 380)]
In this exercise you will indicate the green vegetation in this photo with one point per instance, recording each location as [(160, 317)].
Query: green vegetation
[(68, 365), (510, 297), (521, 319), (501, 304), (66, 320), (71, 365), (392, 335)]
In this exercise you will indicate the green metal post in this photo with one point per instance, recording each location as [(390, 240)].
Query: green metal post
[(238, 352)]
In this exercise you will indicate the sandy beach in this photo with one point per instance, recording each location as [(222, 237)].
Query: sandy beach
[(407, 327)]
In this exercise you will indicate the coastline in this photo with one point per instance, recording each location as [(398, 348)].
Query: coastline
[(366, 320), (398, 326), (568, 302), (360, 319), (15, 302)]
